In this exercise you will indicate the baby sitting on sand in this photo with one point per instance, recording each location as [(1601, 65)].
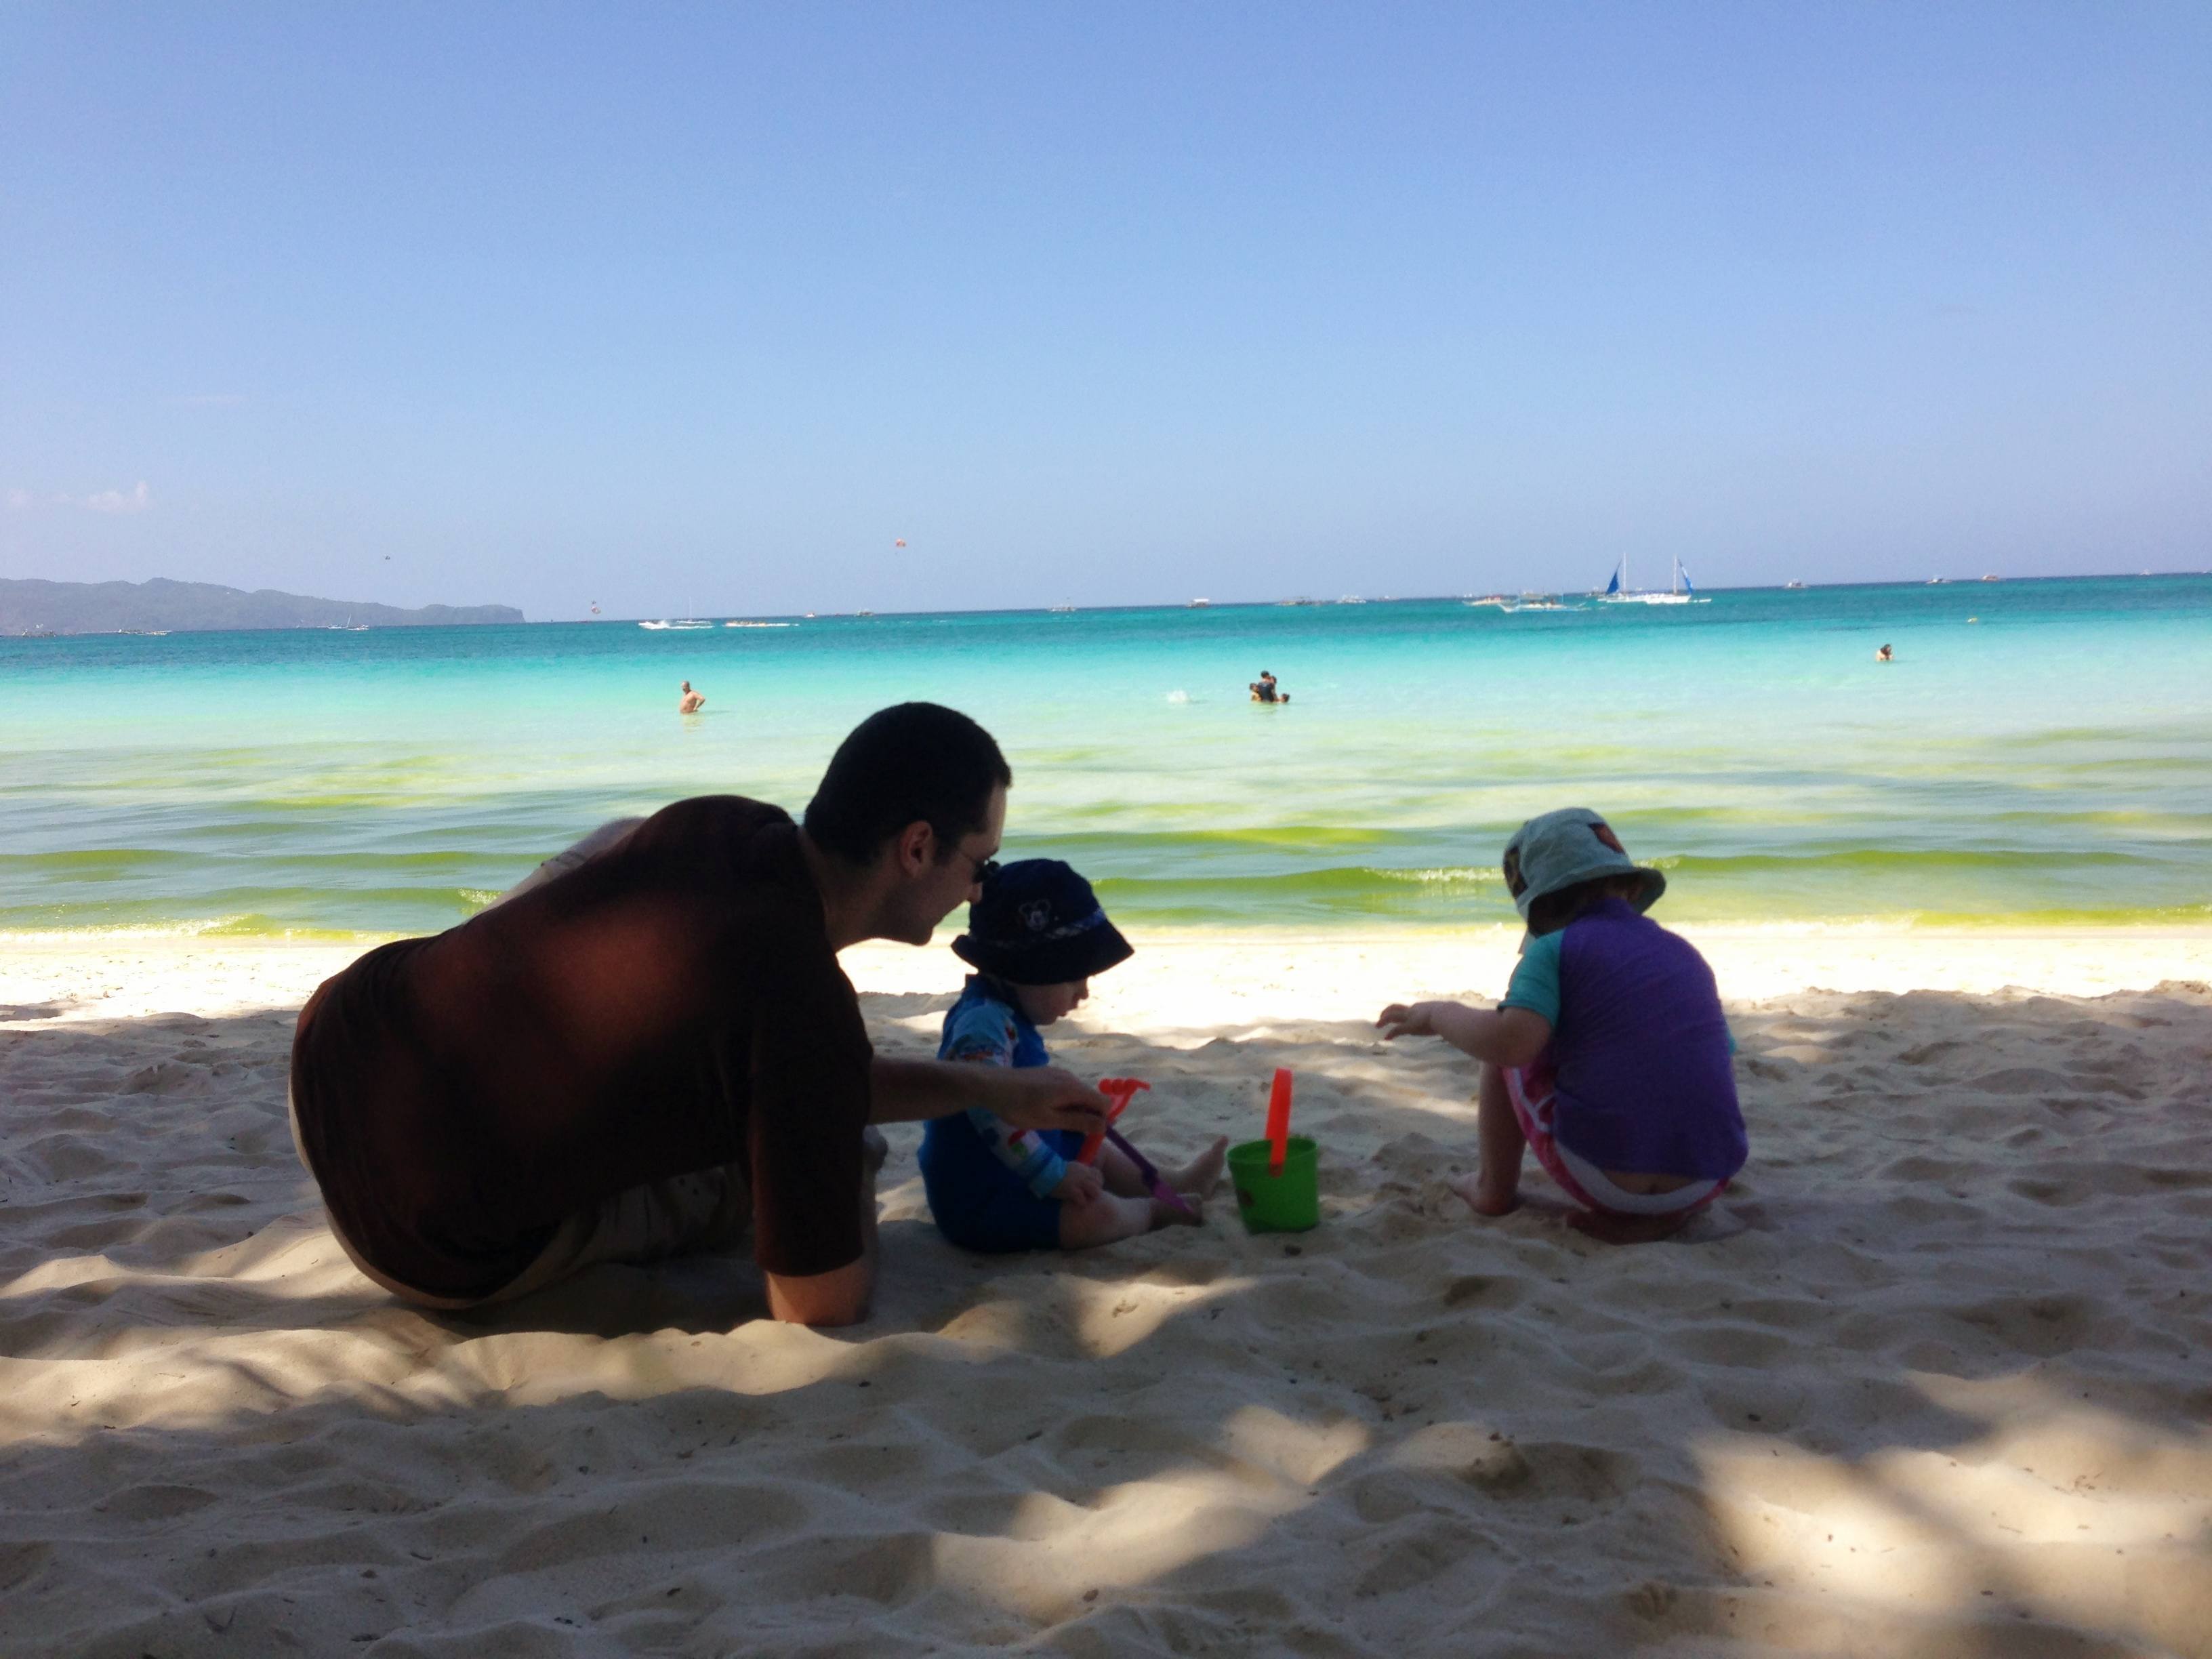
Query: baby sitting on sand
[(1037, 934), (1609, 1057)]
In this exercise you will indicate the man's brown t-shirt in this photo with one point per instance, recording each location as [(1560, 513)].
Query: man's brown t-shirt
[(673, 1006)]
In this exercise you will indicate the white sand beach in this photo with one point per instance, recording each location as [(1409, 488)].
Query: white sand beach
[(1936, 1377)]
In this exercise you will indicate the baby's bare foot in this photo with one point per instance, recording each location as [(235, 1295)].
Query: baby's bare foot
[(1199, 1177), (1481, 1197)]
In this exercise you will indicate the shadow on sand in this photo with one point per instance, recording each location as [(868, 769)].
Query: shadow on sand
[(1934, 1382)]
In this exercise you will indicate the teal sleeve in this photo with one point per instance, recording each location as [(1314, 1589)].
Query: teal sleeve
[(1535, 983)]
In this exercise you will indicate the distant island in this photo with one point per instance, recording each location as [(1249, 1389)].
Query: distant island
[(31, 606)]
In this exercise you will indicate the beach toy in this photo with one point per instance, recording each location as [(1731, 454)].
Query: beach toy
[(1153, 1180), (1121, 1090), (1278, 1178), (1279, 1120), (1270, 1203)]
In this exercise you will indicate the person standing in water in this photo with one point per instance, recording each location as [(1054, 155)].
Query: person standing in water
[(690, 703), (1263, 690)]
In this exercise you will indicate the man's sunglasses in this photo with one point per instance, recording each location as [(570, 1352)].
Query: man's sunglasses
[(985, 868)]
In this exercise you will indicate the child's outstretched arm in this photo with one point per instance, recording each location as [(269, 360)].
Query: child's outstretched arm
[(1512, 1035)]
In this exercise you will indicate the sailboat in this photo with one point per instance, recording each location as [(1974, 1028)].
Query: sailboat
[(1617, 591)]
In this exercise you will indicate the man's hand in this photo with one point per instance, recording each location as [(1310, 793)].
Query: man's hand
[(1079, 1185), (1040, 1098), (1399, 1020)]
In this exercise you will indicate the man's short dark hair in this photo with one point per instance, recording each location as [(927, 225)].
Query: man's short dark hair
[(912, 762)]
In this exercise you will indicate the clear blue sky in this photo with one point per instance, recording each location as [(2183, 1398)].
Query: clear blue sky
[(547, 304)]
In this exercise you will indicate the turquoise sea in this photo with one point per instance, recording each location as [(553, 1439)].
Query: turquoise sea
[(2040, 751)]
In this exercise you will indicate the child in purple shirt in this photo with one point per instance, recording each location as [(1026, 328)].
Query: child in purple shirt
[(1608, 1057)]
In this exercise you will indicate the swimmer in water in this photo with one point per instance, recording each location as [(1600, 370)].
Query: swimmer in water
[(1883, 655), (691, 702), (1263, 690)]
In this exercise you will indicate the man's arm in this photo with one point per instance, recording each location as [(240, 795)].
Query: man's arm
[(1032, 1097), (840, 1296)]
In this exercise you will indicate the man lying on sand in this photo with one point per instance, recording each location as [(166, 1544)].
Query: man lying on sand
[(1609, 1057), (650, 1051)]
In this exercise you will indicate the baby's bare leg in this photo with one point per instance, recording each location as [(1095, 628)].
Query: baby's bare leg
[(1103, 1220), (1496, 1187), (1194, 1181), (1120, 1173)]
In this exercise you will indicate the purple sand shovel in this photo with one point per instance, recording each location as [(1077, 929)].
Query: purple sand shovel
[(1160, 1189)]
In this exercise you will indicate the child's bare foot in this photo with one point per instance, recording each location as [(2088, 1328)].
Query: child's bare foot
[(1482, 1197), (1609, 1229), (1199, 1177)]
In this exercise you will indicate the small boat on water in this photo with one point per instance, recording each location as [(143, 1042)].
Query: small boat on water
[(1198, 605), (685, 624), (1795, 585), (1683, 592)]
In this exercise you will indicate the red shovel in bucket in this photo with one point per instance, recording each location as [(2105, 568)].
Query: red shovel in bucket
[(1278, 1121)]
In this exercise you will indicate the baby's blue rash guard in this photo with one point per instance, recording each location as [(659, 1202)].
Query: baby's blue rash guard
[(986, 1026)]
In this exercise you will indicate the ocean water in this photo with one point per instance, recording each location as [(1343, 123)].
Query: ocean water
[(2040, 751)]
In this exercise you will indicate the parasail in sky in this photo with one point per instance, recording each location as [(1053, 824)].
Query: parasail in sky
[(899, 542)]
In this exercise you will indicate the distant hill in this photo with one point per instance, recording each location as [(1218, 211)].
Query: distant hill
[(43, 607)]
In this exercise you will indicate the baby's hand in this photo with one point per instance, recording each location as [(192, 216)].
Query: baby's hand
[(1079, 1185), (1399, 1020)]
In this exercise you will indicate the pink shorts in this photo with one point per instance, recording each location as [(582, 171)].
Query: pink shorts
[(1532, 1089)]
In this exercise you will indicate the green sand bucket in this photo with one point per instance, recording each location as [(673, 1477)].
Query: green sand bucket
[(1287, 1203)]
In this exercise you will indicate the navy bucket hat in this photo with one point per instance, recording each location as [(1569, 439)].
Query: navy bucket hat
[(1038, 923)]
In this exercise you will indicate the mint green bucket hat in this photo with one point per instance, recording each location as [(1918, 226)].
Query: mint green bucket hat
[(1558, 850)]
